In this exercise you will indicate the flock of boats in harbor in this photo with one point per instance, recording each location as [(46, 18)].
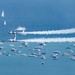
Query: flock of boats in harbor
[(37, 51)]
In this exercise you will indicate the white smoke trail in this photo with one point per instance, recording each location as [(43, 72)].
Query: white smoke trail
[(72, 39), (63, 31)]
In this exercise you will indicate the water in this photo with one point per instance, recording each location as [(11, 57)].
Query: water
[(37, 15), (16, 64)]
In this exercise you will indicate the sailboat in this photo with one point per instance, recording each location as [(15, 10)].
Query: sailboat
[(4, 23), (2, 15)]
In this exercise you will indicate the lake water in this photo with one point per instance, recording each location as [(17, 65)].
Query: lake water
[(26, 65)]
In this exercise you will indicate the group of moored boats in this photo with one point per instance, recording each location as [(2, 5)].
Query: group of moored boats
[(35, 51)]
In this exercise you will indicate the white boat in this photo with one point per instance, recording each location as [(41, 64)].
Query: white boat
[(1, 42), (72, 58), (21, 28), (4, 23), (11, 45), (2, 15)]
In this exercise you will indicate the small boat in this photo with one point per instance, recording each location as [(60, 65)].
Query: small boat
[(68, 48), (1, 47), (43, 44), (2, 15), (7, 54), (43, 57), (42, 63), (1, 42), (21, 28), (71, 51), (31, 55), (23, 54), (43, 53), (57, 52), (65, 54), (39, 47), (11, 45), (54, 56), (72, 58), (13, 49), (4, 23), (25, 43), (20, 46), (0, 53), (72, 45)]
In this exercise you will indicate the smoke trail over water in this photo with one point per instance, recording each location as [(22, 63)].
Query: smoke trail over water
[(50, 40), (63, 31)]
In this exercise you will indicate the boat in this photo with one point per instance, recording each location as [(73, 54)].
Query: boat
[(72, 57), (57, 52), (4, 23), (2, 15), (21, 28)]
